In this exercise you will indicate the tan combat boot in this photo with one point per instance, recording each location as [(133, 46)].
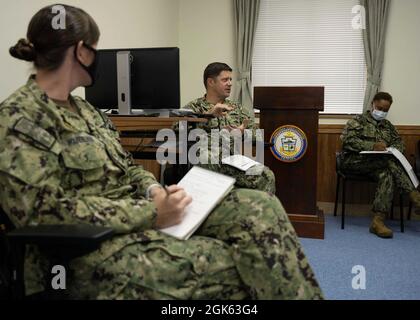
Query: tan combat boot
[(415, 199), (378, 227)]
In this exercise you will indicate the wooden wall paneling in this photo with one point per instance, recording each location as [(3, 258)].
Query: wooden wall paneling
[(329, 143)]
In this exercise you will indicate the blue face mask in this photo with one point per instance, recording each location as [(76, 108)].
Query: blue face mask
[(379, 115)]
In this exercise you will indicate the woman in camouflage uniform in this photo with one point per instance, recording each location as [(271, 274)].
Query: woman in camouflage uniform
[(371, 131)]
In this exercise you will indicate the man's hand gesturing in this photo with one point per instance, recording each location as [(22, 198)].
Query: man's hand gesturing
[(220, 110)]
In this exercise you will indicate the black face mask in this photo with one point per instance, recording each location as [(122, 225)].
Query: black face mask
[(92, 69)]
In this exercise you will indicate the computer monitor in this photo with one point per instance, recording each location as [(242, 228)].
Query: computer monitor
[(153, 77)]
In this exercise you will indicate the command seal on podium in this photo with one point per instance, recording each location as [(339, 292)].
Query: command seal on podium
[(288, 143)]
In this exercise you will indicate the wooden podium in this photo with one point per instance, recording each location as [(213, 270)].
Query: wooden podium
[(293, 108)]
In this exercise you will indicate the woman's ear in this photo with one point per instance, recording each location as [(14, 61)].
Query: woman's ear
[(78, 51)]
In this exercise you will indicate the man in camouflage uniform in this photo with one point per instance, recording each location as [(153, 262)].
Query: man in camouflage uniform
[(228, 116), (58, 166), (372, 132)]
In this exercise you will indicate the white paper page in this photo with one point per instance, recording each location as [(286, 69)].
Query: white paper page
[(407, 166), (402, 159), (207, 189), (240, 162), (413, 178), (376, 152)]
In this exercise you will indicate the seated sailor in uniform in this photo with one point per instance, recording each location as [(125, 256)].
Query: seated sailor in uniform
[(371, 131), (230, 116)]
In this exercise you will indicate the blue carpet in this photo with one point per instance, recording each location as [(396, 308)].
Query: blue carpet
[(392, 265)]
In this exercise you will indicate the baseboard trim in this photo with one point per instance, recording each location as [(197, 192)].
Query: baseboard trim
[(309, 226)]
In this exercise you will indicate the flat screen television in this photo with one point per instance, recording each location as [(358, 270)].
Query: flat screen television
[(153, 79)]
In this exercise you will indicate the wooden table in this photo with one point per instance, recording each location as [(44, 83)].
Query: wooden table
[(149, 124), (138, 132)]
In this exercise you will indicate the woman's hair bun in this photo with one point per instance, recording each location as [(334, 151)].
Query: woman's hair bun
[(23, 50)]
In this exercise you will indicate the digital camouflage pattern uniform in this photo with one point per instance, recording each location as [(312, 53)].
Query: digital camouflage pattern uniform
[(234, 118), (360, 134), (264, 179), (58, 167)]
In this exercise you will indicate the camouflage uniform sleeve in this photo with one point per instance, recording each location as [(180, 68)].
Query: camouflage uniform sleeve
[(198, 108), (142, 178), (396, 140), (192, 106), (137, 175), (31, 192), (247, 114), (244, 114), (352, 138)]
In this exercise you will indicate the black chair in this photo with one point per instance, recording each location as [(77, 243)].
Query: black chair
[(59, 243), (346, 176), (417, 171)]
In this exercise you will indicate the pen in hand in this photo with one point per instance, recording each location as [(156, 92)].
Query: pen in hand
[(166, 190)]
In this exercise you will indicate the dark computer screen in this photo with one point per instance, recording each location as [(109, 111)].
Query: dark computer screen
[(155, 82)]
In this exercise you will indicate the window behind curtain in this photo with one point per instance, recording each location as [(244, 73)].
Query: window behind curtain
[(312, 43)]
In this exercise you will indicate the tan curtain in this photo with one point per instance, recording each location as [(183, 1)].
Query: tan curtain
[(246, 18), (374, 42)]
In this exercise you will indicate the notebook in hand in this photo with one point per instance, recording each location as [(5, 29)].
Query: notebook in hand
[(207, 189), (402, 159)]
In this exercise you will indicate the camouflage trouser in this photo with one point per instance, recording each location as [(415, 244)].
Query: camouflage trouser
[(264, 180), (247, 248), (387, 171)]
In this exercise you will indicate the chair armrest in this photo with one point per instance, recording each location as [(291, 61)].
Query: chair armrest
[(60, 244), (77, 240)]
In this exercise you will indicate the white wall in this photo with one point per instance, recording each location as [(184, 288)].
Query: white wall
[(401, 69), (123, 23), (206, 34), (204, 31), (401, 74)]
